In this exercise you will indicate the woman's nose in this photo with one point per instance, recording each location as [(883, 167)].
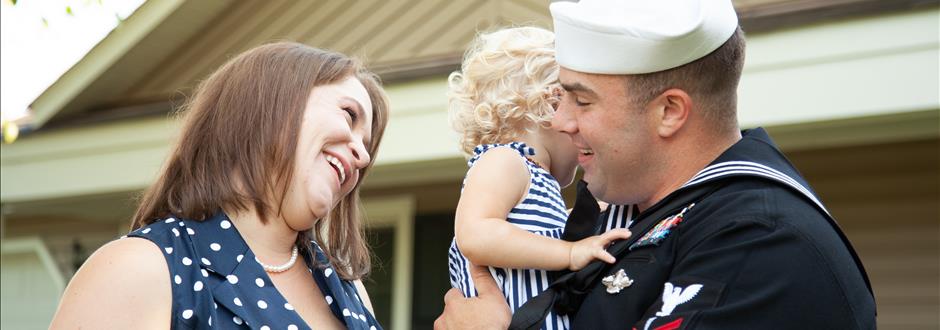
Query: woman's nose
[(360, 155)]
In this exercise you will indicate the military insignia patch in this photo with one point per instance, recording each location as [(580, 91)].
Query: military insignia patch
[(661, 230)]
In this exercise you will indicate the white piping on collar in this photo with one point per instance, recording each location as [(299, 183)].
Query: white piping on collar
[(751, 168)]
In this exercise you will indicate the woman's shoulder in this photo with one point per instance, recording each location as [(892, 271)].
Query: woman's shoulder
[(160, 228), (122, 277), (131, 253)]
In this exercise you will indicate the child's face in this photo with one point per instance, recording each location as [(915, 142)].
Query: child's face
[(564, 155)]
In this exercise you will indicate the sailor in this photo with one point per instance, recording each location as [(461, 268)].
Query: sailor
[(727, 234)]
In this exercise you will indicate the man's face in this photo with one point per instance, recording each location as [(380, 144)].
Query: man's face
[(616, 139)]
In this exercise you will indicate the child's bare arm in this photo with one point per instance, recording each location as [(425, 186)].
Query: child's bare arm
[(496, 183)]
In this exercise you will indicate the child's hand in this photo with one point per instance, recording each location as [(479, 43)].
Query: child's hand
[(594, 247)]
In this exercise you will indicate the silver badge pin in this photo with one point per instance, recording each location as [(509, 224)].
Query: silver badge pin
[(617, 282)]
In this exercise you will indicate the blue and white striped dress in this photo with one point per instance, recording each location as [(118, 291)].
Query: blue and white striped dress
[(542, 212)]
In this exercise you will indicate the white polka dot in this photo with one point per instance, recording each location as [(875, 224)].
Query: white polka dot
[(328, 272), (210, 321), (190, 231), (206, 262), (215, 305), (169, 220), (204, 273), (146, 230), (238, 301), (168, 250), (288, 306), (187, 261), (264, 327), (329, 300), (372, 328), (177, 279), (237, 319), (176, 232), (187, 314), (215, 246), (259, 282), (355, 316), (291, 327), (182, 224), (232, 279), (345, 311), (362, 317), (225, 224), (262, 304), (239, 258), (197, 286)]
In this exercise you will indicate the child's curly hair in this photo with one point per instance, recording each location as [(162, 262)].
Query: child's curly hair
[(507, 85)]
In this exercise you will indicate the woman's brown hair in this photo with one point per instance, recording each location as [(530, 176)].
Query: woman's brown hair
[(237, 146)]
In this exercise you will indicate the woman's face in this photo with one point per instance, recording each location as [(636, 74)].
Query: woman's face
[(331, 149)]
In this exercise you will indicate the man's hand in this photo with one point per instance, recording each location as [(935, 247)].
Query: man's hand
[(488, 310)]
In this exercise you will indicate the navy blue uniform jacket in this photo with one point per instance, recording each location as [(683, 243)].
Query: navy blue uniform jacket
[(758, 252)]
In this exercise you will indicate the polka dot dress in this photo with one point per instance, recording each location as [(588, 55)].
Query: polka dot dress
[(217, 282)]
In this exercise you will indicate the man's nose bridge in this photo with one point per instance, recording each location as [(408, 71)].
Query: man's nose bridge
[(561, 120)]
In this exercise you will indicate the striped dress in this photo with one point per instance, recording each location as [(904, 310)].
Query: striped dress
[(542, 212)]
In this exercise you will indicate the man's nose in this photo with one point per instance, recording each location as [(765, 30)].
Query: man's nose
[(562, 121)]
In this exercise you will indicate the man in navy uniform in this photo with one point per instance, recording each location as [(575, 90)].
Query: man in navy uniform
[(728, 235)]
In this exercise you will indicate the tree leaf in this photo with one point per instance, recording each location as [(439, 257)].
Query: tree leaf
[(68, 10)]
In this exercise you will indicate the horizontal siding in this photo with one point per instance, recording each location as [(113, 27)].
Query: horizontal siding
[(886, 199)]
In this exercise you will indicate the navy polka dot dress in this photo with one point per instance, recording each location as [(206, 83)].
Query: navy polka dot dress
[(218, 284)]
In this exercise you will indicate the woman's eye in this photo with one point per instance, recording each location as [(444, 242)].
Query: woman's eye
[(352, 113), (581, 103)]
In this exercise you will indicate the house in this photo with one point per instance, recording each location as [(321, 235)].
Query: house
[(848, 88)]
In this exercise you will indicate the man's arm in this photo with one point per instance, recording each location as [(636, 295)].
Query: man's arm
[(488, 310)]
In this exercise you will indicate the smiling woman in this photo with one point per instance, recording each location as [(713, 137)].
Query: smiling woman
[(267, 168)]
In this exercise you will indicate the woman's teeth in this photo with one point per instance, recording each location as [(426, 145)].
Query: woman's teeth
[(339, 168), (586, 151)]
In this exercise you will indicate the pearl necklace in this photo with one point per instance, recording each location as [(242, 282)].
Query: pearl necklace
[(280, 268)]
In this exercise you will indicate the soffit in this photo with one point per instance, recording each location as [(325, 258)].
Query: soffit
[(388, 35), (397, 38)]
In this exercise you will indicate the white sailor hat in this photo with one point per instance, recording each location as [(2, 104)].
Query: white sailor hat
[(639, 36)]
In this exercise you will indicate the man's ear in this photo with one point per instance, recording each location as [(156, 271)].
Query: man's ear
[(674, 106)]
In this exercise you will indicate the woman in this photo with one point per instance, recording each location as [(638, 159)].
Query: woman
[(267, 168)]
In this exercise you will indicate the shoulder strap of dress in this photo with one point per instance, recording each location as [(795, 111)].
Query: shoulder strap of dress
[(523, 150)]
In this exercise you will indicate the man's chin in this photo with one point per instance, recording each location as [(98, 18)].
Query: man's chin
[(597, 189)]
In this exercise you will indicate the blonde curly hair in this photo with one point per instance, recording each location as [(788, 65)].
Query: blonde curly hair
[(507, 85)]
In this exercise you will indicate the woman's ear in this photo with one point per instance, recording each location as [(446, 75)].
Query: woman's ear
[(673, 107)]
